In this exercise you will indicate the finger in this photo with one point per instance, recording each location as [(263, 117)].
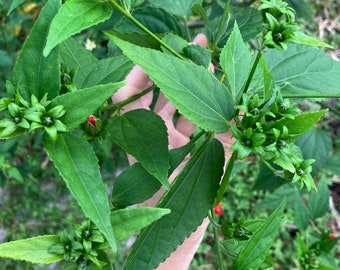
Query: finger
[(167, 111), (136, 82), (184, 126), (181, 258), (200, 39), (144, 103)]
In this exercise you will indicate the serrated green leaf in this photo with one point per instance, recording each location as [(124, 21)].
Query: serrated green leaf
[(74, 55), (332, 164), (189, 199), (32, 250), (249, 21), (74, 16), (316, 144), (14, 5), (198, 54), (257, 247), (177, 155), (318, 201), (157, 20), (134, 185), (77, 164), (300, 124), (235, 61), (109, 70), (301, 215), (301, 38), (302, 70), (180, 8), (126, 222), (143, 134), (133, 3), (81, 103), (194, 90), (34, 73), (268, 82), (175, 42)]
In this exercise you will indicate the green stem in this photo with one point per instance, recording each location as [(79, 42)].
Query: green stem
[(218, 244), (123, 103), (226, 178), (220, 26), (252, 71), (142, 27), (311, 95), (331, 109)]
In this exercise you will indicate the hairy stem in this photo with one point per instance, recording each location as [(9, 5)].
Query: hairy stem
[(226, 178), (142, 27), (217, 243), (252, 71), (123, 103), (222, 22)]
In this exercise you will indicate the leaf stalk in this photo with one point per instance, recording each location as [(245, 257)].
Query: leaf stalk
[(143, 28)]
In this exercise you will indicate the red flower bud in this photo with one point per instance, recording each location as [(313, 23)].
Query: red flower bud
[(332, 236), (218, 209), (92, 120)]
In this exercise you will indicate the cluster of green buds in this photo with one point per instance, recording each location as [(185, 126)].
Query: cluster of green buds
[(261, 130), (83, 248), (19, 115), (309, 260), (279, 22), (236, 230)]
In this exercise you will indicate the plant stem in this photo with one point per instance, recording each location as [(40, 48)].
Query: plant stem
[(335, 95), (252, 71), (128, 100), (142, 27), (226, 178), (220, 26), (218, 244)]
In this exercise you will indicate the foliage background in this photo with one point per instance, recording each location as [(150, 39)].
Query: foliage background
[(34, 200)]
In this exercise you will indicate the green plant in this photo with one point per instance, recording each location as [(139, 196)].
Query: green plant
[(60, 91)]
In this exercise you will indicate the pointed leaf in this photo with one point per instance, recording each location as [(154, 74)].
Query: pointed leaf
[(316, 144), (180, 8), (157, 20), (77, 164), (189, 199), (318, 202), (81, 103), (301, 215), (109, 70), (268, 82), (300, 124), (143, 134), (236, 62), (257, 247), (32, 250), (194, 90), (14, 5), (74, 16), (134, 185), (74, 55), (303, 70), (301, 38), (34, 73), (126, 222)]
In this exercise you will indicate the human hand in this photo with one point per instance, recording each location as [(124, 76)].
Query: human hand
[(178, 135)]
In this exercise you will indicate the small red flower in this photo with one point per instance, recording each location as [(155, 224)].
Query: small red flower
[(92, 120), (218, 209), (332, 236)]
